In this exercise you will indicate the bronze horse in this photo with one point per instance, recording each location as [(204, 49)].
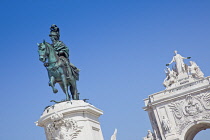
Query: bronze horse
[(58, 72)]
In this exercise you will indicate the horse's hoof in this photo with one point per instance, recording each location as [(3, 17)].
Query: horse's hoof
[(55, 90), (68, 99)]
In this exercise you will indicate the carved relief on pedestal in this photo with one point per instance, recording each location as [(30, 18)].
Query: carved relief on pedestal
[(62, 128), (192, 109)]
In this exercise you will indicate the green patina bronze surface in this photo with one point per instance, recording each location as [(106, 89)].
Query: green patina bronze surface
[(55, 57)]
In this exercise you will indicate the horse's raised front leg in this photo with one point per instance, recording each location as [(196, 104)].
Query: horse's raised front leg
[(52, 84), (65, 87)]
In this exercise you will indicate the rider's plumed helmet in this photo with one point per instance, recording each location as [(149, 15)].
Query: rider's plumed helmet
[(54, 31)]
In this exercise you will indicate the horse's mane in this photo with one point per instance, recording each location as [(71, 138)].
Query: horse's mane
[(50, 47), (48, 44)]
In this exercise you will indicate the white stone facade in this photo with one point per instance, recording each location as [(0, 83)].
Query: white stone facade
[(72, 120), (183, 108)]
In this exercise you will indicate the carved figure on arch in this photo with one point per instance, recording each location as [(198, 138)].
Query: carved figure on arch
[(195, 71), (180, 65), (170, 77), (114, 136), (166, 125), (150, 136)]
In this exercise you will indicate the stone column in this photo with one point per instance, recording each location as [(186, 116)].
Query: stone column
[(71, 120)]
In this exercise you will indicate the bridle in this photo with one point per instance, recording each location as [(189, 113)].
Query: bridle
[(46, 64)]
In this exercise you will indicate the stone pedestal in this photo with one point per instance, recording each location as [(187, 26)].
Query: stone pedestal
[(72, 120)]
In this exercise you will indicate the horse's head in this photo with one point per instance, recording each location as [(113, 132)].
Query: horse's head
[(42, 50)]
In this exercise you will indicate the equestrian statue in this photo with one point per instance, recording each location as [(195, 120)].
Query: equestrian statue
[(55, 57)]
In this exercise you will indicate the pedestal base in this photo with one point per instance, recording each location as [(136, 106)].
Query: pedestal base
[(72, 120)]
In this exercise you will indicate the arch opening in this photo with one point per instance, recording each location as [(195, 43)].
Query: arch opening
[(195, 129), (202, 135)]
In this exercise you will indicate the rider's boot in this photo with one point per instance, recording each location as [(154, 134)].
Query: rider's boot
[(69, 71)]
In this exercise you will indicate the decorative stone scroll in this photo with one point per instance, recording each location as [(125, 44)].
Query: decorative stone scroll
[(205, 99), (192, 106), (62, 128)]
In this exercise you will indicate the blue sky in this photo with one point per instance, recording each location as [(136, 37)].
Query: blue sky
[(121, 47)]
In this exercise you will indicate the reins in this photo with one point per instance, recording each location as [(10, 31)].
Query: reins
[(46, 64)]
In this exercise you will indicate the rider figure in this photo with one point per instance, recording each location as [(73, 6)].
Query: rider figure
[(61, 49)]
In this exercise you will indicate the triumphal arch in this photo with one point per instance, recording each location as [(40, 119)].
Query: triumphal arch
[(183, 109)]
